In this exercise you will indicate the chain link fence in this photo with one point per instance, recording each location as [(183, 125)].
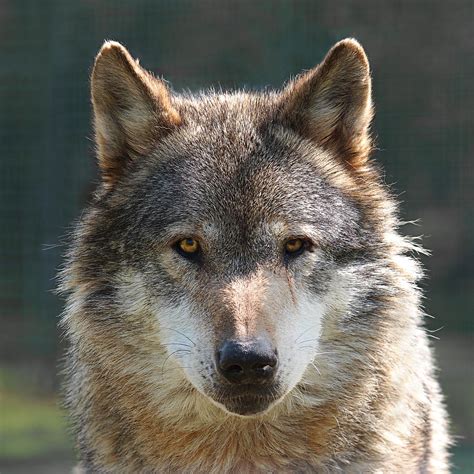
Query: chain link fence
[(422, 57)]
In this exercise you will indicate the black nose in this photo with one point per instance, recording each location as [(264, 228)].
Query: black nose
[(247, 362)]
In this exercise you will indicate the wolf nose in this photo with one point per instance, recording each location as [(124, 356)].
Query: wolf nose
[(247, 362)]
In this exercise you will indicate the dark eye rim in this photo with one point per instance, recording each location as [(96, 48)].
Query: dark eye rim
[(307, 246), (191, 256)]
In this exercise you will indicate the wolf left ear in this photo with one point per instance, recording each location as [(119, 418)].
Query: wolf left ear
[(331, 104), (132, 110)]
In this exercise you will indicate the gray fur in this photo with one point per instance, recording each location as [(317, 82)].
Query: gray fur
[(233, 166)]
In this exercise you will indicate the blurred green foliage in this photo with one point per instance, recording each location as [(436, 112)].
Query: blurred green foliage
[(31, 423), (31, 427)]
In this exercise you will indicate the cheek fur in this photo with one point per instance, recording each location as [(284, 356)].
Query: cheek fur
[(188, 339), (297, 337)]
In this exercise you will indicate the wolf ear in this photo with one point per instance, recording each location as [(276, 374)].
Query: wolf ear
[(132, 110), (331, 104)]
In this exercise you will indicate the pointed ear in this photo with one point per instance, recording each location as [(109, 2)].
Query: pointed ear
[(331, 104), (132, 110)]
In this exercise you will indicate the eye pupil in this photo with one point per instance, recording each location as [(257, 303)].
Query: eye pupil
[(188, 245)]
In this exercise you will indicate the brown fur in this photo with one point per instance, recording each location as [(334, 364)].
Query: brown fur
[(340, 110), (131, 107), (367, 402)]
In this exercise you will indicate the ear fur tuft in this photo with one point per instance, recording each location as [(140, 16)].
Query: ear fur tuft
[(132, 109), (332, 105)]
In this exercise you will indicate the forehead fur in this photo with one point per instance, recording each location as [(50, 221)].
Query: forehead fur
[(239, 109), (241, 163), (231, 164)]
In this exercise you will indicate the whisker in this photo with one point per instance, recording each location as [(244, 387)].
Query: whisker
[(305, 331), (175, 344), (182, 334), (174, 368), (315, 348), (314, 365), (166, 360), (309, 340), (435, 330)]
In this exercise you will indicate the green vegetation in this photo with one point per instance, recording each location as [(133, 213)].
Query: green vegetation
[(30, 425)]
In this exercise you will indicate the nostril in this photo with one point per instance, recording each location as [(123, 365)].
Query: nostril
[(234, 369), (247, 362), (268, 363), (263, 371), (262, 366)]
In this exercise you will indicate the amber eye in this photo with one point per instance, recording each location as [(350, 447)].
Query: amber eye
[(188, 246), (294, 246)]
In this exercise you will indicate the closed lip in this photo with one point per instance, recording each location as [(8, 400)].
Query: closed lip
[(251, 390), (246, 400)]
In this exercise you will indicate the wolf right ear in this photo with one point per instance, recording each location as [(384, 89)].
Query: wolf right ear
[(331, 104), (132, 110)]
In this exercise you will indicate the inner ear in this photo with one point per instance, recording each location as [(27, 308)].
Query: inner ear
[(132, 110), (331, 104)]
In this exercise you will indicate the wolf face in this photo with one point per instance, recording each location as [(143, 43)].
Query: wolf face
[(239, 281), (228, 224)]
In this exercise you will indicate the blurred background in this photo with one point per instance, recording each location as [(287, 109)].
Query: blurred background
[(422, 57)]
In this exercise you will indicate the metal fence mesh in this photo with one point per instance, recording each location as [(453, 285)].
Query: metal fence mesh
[(422, 57)]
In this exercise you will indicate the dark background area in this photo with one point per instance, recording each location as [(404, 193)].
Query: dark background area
[(422, 58)]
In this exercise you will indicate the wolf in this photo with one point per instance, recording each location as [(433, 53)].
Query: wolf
[(239, 296)]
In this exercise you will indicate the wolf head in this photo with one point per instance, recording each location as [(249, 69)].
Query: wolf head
[(230, 249)]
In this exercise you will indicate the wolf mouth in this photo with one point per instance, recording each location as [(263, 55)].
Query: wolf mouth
[(247, 400), (247, 405)]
